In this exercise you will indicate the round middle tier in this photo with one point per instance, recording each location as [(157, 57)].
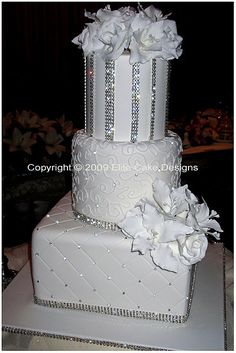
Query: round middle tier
[(110, 177)]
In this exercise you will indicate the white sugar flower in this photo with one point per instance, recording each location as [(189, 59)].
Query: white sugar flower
[(156, 40), (174, 202), (147, 34), (108, 36), (172, 227), (201, 219), (192, 248)]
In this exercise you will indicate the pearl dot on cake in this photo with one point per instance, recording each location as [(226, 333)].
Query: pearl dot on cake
[(124, 265), (64, 258), (48, 215), (108, 250), (108, 277), (81, 275)]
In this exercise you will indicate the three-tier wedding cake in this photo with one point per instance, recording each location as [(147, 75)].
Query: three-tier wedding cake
[(130, 242)]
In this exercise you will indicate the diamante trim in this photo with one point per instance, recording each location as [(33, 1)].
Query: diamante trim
[(225, 313), (153, 98), (85, 94), (167, 96), (135, 101), (95, 222), (109, 99), (21, 331), (91, 76), (138, 314)]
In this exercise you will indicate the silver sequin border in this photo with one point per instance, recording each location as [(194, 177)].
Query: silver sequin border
[(95, 222), (27, 332)]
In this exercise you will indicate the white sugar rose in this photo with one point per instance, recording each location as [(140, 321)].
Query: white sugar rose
[(108, 36), (192, 248), (156, 40), (88, 39)]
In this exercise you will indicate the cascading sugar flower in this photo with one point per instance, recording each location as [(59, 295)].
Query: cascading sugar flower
[(147, 34), (172, 227)]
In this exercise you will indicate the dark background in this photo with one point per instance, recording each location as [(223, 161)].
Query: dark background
[(43, 71)]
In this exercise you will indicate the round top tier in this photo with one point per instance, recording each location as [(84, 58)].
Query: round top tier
[(126, 102), (127, 54)]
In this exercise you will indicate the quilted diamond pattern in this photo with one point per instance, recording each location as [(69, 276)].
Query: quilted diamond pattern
[(74, 262)]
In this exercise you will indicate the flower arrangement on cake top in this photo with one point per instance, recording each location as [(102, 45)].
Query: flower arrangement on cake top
[(146, 33), (173, 226)]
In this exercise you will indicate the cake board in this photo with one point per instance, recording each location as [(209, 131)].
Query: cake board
[(205, 329)]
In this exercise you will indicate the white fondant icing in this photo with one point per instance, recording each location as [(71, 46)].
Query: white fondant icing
[(119, 174), (121, 279), (123, 99)]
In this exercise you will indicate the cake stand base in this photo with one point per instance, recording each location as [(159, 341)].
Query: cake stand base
[(205, 329)]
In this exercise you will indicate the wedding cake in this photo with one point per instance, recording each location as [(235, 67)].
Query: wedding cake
[(129, 243)]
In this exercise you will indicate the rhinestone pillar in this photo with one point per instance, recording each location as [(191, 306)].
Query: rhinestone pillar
[(153, 98), (109, 99), (167, 96), (135, 101), (85, 94), (91, 76)]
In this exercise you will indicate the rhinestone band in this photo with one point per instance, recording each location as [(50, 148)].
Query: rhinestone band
[(225, 314), (85, 94), (27, 332), (91, 75), (153, 98), (191, 288), (95, 222), (167, 95), (109, 99), (138, 314), (135, 101)]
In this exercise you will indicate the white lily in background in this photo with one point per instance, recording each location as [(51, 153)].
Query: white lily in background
[(20, 141)]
